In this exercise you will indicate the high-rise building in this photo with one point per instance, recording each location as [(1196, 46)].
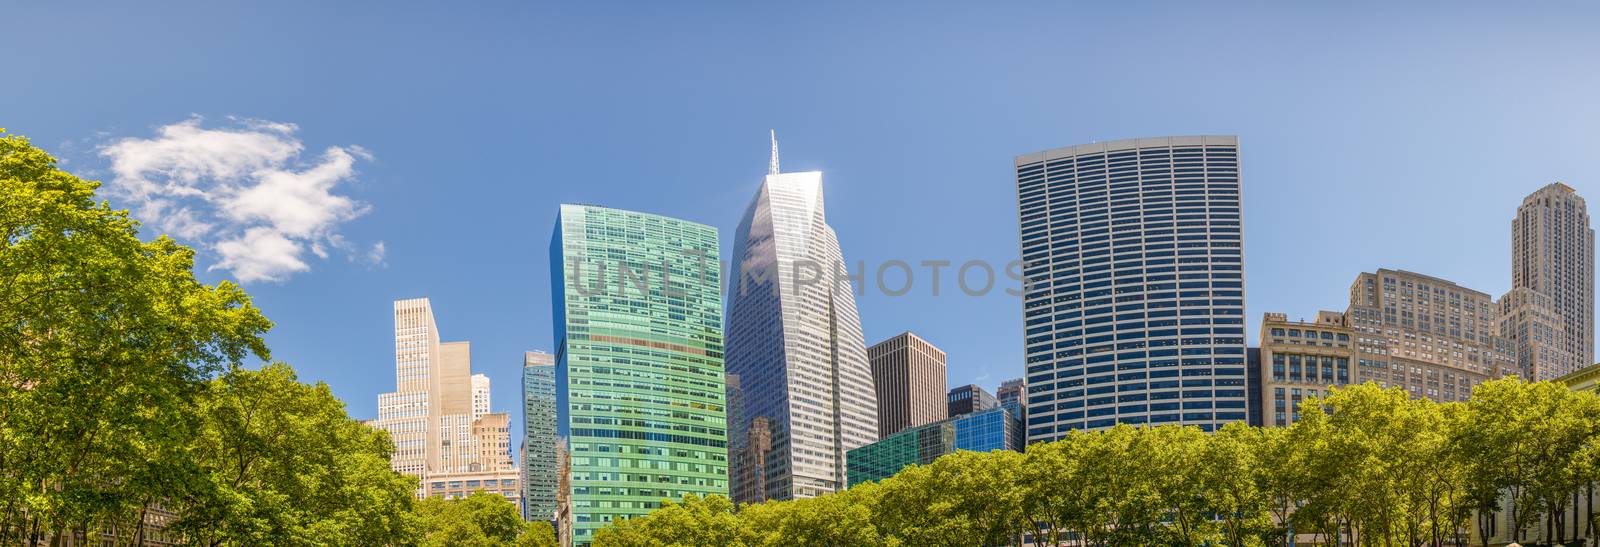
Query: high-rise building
[(1427, 335), (639, 376), (443, 432), (539, 466), (1133, 281), (968, 399), (795, 341), (1549, 313), (908, 374), (984, 431)]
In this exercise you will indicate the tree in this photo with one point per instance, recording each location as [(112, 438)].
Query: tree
[(1529, 444), (105, 342), (537, 534), (480, 519), (285, 465), (839, 519), (1233, 482), (693, 521)]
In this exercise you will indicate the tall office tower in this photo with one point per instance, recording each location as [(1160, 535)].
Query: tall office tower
[(639, 380), (1552, 257), (539, 480), (1427, 335), (795, 341), (404, 413), (1133, 281), (440, 437), (968, 399), (480, 395), (909, 378)]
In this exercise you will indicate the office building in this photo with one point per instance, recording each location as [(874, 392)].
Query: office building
[(1133, 282), (437, 418), (796, 346), (968, 399), (1012, 394), (639, 380), (1549, 312), (908, 374), (1426, 335), (984, 431), (504, 481), (1301, 360), (539, 465)]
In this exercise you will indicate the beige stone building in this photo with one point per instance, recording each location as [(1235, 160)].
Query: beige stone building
[(438, 414), (1302, 360), (1549, 312), (909, 376), (1429, 336)]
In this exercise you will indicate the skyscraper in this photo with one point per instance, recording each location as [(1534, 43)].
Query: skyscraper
[(437, 416), (639, 379), (909, 377), (1549, 313), (1133, 274), (797, 347), (539, 480)]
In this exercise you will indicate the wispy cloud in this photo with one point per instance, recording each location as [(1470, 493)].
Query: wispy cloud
[(241, 190)]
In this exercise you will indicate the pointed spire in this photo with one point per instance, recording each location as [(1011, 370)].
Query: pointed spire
[(772, 167)]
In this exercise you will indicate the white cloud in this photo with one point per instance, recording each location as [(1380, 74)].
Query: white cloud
[(260, 254), (376, 255), (241, 191)]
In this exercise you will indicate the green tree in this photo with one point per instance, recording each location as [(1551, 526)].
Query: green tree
[(478, 520), (1234, 483), (285, 465), (105, 342), (836, 520), (537, 534), (1528, 443), (693, 521)]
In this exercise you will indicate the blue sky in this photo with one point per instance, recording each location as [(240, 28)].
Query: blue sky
[(1373, 135)]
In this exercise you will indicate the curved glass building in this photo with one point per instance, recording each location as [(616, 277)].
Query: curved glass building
[(639, 387), (1133, 273)]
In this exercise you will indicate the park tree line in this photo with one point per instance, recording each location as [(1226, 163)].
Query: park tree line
[(1363, 466), (125, 394)]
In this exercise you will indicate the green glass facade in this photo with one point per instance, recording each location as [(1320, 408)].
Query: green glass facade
[(985, 431), (640, 392)]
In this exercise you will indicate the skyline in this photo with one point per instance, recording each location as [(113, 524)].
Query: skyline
[(1361, 132)]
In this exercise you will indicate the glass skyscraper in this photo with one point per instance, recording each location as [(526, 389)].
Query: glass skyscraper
[(796, 347), (1133, 273), (539, 479), (639, 383)]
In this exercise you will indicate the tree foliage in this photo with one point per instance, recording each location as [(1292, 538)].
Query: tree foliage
[(123, 393), (479, 520), (1363, 466)]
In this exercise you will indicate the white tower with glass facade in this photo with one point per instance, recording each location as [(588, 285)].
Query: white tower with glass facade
[(795, 341)]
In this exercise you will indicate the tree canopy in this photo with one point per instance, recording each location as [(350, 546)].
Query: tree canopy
[(1363, 466), (125, 393)]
